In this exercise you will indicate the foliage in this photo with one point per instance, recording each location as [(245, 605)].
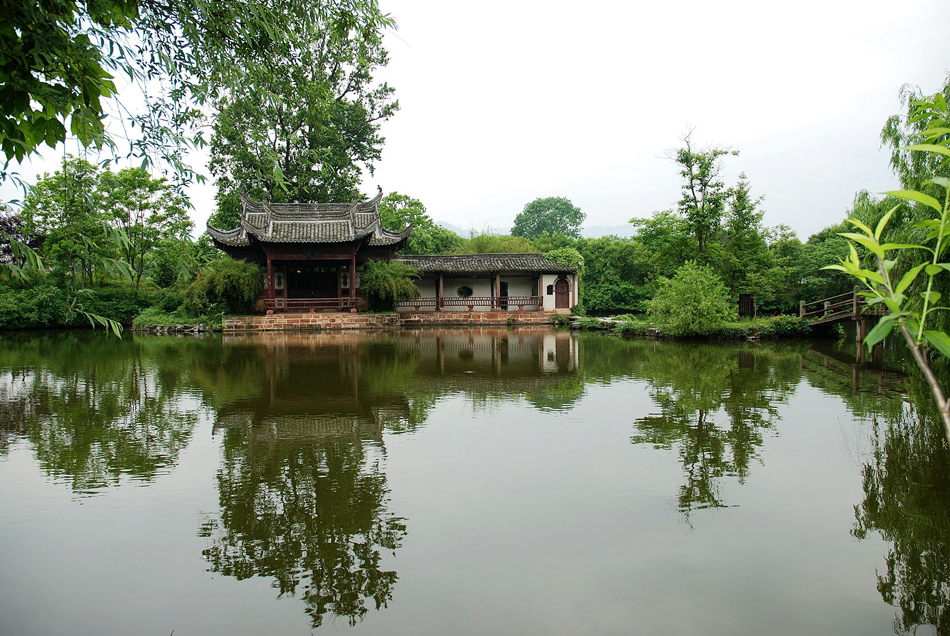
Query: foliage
[(906, 312), (95, 225), (301, 123), (704, 194), (398, 211), (38, 307), (384, 283), (487, 242), (147, 210), (554, 215), (695, 302), (667, 239), (13, 230), (225, 286), (58, 58), (567, 256), (157, 317), (617, 274)]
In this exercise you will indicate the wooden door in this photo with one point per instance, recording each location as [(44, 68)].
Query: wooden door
[(562, 294)]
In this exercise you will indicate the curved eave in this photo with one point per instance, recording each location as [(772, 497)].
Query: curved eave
[(388, 237), (233, 238)]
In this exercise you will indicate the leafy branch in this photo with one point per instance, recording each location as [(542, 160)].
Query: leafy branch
[(906, 312)]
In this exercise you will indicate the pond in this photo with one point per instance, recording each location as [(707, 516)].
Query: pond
[(505, 481)]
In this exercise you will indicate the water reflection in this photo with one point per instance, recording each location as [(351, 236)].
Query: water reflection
[(907, 500), (304, 497), (715, 404), (92, 409)]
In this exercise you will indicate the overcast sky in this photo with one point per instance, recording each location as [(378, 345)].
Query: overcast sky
[(506, 101)]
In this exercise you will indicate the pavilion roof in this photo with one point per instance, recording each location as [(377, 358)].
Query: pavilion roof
[(484, 263), (268, 222)]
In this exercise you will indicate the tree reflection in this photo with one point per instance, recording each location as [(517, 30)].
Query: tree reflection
[(310, 511), (907, 500), (91, 411), (714, 404)]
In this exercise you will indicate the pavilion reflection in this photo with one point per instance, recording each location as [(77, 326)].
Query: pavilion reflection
[(303, 493)]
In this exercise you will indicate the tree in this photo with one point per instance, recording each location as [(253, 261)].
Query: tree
[(384, 283), (398, 211), (58, 58), (704, 194), (554, 215), (86, 214), (695, 302), (147, 210), (65, 208), (745, 249), (667, 239), (302, 124)]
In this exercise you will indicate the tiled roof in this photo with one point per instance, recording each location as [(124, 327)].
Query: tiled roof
[(484, 264), (309, 223)]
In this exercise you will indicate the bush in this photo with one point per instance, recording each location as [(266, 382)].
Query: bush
[(116, 303), (225, 286), (155, 317), (695, 302), (36, 307), (384, 283)]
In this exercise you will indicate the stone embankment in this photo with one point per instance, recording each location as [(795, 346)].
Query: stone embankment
[(340, 321), (173, 329)]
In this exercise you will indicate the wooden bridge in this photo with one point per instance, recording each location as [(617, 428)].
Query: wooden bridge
[(848, 306)]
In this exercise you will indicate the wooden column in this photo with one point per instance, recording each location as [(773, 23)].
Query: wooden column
[(440, 294), (269, 293), (353, 279), (496, 302)]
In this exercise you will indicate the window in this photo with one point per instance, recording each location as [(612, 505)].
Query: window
[(464, 291), (550, 290)]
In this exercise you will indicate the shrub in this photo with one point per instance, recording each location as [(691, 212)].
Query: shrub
[(115, 303), (225, 286), (695, 302), (36, 307), (384, 283), (155, 317)]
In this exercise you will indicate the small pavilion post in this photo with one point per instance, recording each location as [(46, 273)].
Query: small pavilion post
[(270, 278), (440, 294), (353, 280)]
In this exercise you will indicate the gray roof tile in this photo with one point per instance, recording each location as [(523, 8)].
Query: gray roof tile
[(484, 263)]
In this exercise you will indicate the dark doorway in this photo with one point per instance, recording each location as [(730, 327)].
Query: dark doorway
[(562, 294), (312, 282), (503, 292)]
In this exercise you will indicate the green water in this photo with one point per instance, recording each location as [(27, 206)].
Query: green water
[(485, 481)]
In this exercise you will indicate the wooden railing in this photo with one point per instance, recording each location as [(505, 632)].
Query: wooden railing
[(306, 304), (848, 306), (492, 303)]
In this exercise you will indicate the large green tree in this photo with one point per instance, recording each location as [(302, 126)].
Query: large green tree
[(302, 124), (552, 215), (146, 209), (704, 193)]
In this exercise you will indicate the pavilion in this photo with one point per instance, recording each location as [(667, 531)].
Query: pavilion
[(312, 253)]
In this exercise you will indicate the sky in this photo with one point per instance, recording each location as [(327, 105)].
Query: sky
[(503, 102)]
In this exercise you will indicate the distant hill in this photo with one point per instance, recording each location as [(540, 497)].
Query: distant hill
[(594, 231)]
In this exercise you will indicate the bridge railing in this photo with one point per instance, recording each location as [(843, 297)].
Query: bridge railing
[(849, 305)]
